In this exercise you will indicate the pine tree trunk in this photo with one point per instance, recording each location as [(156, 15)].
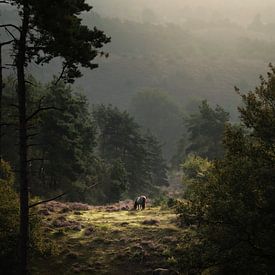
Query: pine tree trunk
[(23, 147), (1, 94)]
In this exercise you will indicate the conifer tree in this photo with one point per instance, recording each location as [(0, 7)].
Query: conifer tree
[(47, 29)]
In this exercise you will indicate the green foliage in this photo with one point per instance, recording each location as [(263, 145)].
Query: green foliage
[(195, 167), (54, 29), (155, 161), (66, 138), (9, 219), (232, 211), (118, 177), (120, 141), (205, 131), (160, 200), (75, 149), (112, 181), (158, 112), (41, 244)]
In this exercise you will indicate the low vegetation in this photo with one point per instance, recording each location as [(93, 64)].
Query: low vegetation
[(112, 239)]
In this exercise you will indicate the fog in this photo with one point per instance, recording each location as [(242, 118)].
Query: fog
[(177, 11)]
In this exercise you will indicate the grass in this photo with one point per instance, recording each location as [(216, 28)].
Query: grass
[(117, 242)]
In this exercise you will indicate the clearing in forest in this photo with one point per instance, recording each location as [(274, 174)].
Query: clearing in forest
[(108, 240)]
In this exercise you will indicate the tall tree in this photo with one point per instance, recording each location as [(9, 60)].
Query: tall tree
[(158, 112), (120, 140), (47, 29), (156, 162), (205, 131), (61, 135), (232, 206)]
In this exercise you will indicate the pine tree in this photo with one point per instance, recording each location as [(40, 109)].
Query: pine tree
[(47, 29)]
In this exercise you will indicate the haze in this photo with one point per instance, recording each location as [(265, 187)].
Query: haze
[(179, 10)]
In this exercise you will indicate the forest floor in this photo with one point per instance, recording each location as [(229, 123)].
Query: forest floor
[(112, 239)]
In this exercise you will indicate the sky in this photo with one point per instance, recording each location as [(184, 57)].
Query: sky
[(239, 11)]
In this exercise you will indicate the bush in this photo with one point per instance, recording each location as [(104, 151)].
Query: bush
[(9, 219), (231, 206), (9, 225)]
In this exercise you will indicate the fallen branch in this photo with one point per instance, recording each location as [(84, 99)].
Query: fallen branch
[(57, 197), (52, 199)]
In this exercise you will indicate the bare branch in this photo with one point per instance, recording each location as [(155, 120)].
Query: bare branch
[(11, 34), (6, 43), (61, 74), (34, 144), (52, 199), (36, 48), (29, 82), (3, 67), (14, 105), (10, 26), (89, 187), (40, 110), (32, 135), (11, 65), (57, 197), (6, 124), (35, 159), (31, 127)]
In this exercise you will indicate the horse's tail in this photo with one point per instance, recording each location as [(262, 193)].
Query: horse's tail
[(135, 205)]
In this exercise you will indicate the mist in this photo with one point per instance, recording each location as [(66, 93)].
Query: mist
[(178, 11)]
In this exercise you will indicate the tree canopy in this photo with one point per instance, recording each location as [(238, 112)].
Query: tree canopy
[(233, 205)]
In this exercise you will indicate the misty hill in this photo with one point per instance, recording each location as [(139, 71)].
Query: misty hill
[(195, 61)]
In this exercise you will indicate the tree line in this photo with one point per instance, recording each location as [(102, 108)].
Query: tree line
[(95, 154), (74, 146)]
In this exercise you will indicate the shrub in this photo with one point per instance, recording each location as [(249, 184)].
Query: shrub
[(9, 219)]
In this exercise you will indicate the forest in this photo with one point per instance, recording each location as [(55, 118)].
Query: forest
[(137, 138)]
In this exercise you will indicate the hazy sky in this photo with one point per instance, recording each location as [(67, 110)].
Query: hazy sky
[(242, 11)]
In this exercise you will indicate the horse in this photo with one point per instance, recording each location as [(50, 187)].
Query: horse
[(140, 203)]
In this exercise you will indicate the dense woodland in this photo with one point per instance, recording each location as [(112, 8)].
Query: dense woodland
[(96, 110)]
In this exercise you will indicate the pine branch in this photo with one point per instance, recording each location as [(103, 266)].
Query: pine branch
[(41, 110)]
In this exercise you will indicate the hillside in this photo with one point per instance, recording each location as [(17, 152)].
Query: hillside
[(194, 61), (198, 59)]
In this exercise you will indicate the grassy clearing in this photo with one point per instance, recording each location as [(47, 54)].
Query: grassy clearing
[(110, 242)]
